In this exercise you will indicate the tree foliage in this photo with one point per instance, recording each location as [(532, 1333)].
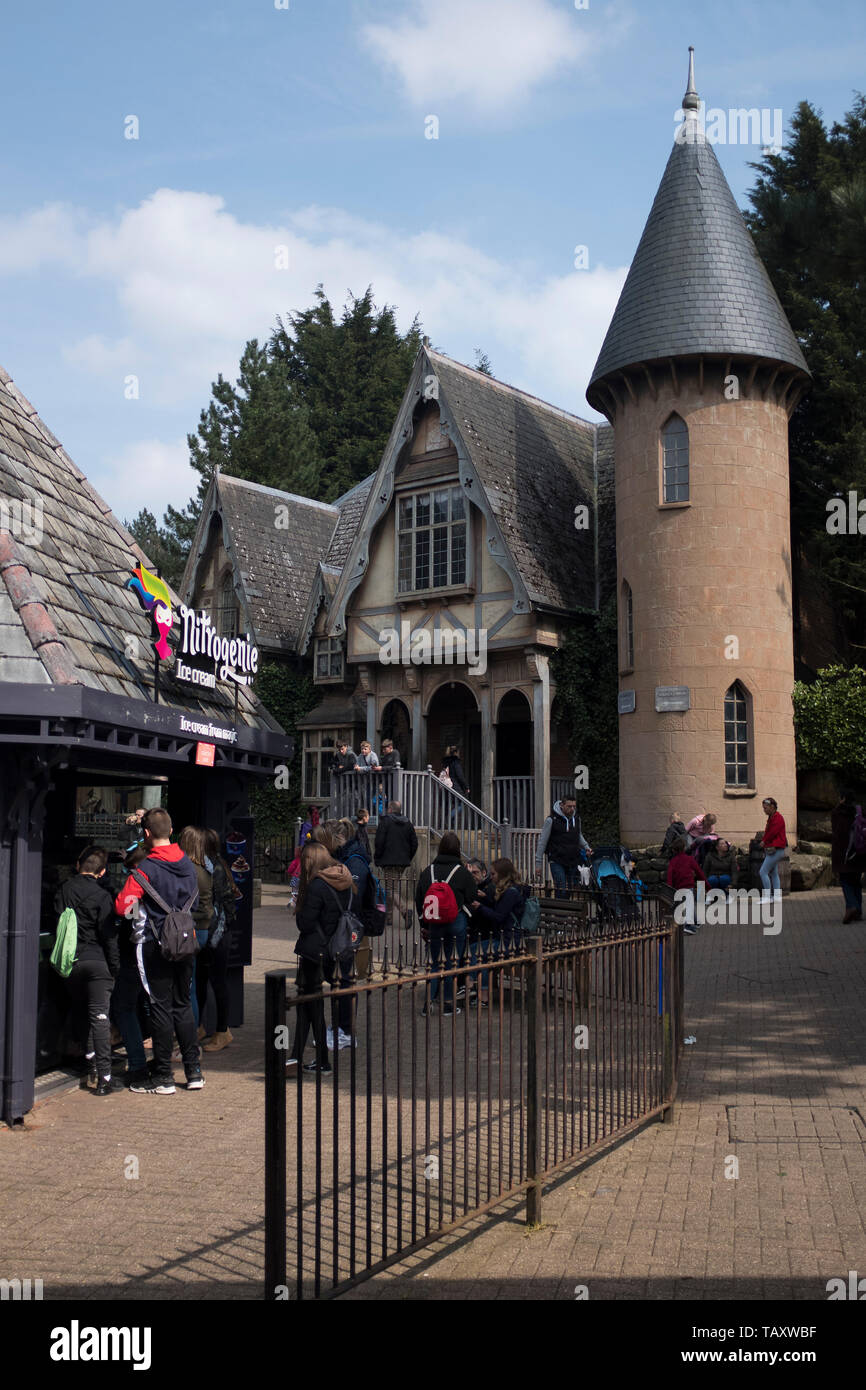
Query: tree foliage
[(586, 674), (808, 219), (830, 721), (288, 693)]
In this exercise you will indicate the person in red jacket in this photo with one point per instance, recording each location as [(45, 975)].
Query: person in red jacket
[(775, 842), (683, 873)]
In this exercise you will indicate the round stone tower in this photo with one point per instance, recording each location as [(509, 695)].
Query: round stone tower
[(698, 374)]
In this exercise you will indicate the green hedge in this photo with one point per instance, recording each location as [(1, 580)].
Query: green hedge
[(587, 683), (830, 721), (289, 694)]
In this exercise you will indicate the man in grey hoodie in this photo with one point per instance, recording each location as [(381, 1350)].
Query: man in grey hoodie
[(562, 841)]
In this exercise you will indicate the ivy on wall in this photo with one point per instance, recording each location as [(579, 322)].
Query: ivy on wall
[(289, 694), (586, 674)]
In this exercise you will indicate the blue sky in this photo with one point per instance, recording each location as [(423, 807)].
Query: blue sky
[(304, 127)]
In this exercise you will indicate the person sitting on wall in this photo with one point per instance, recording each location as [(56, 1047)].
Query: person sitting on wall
[(562, 841), (720, 865), (699, 827)]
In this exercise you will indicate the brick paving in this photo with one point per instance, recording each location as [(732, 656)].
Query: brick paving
[(775, 1080)]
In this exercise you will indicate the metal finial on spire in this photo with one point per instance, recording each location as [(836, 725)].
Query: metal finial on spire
[(691, 100)]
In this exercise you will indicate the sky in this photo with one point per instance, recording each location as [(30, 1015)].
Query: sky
[(174, 176)]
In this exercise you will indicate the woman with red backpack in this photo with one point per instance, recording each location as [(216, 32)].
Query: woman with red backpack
[(446, 892), (848, 854)]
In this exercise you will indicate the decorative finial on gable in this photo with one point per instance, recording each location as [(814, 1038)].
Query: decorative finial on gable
[(691, 100)]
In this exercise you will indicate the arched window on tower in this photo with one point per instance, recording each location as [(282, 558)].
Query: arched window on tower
[(627, 620), (738, 736), (228, 624), (675, 460)]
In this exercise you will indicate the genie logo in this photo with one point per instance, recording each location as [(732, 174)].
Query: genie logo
[(155, 599)]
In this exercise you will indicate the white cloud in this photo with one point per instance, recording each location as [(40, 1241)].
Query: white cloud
[(48, 234), (489, 53), (149, 473)]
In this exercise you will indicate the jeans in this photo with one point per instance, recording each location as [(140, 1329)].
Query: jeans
[(452, 938), (719, 881), (170, 982), (90, 985), (124, 1004), (564, 879), (852, 889), (769, 869), (474, 950), (201, 937)]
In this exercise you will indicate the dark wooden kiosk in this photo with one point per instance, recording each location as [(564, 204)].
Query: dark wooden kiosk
[(94, 724)]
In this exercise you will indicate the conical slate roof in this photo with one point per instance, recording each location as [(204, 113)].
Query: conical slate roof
[(697, 284)]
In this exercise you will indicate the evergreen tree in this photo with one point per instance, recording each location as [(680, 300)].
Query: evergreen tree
[(166, 546), (482, 362), (808, 219), (350, 375)]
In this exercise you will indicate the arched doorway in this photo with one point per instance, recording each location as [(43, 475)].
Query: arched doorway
[(397, 725), (514, 736), (453, 717)]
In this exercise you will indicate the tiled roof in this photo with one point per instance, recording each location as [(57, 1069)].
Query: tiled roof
[(537, 464), (276, 563), (351, 506), (59, 537), (697, 284)]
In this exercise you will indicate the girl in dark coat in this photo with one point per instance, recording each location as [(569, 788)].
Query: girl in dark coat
[(498, 918), (452, 762), (846, 864), (325, 891)]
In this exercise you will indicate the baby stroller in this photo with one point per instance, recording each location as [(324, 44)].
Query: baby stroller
[(617, 894)]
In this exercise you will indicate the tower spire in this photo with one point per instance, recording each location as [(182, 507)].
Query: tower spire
[(691, 101)]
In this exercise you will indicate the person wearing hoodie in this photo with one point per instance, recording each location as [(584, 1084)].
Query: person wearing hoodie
[(562, 841), (97, 960), (192, 841), (676, 831), (173, 876), (324, 893), (448, 936), (395, 847)]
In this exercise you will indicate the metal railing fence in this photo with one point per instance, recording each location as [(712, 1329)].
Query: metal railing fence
[(461, 1085)]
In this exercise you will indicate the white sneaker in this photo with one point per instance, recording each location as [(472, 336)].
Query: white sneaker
[(345, 1040)]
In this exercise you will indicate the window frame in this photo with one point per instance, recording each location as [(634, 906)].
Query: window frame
[(453, 488), (334, 647), (318, 745), (664, 500), (738, 691)]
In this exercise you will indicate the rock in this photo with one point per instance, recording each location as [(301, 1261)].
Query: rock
[(659, 863), (809, 871), (812, 825), (650, 876), (805, 847)]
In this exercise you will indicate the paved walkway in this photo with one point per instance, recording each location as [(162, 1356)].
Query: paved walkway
[(776, 1081)]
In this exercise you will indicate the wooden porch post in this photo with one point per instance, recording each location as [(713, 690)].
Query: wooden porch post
[(538, 663)]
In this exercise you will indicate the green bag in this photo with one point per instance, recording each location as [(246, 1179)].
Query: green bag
[(65, 943)]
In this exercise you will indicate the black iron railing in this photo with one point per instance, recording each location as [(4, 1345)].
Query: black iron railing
[(462, 1086)]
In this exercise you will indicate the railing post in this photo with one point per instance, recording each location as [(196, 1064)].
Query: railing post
[(397, 790), (297, 844), (275, 1135), (534, 1061), (506, 839), (668, 1037)]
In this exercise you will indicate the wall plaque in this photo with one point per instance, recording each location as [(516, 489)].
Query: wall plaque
[(672, 698)]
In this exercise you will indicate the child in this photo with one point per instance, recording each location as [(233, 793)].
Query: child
[(683, 873), (293, 873)]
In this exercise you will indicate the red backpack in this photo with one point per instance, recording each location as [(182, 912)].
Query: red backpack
[(440, 905)]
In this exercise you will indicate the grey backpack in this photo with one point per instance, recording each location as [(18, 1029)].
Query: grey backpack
[(346, 936), (176, 937)]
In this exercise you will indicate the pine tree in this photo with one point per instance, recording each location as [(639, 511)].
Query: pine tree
[(809, 224)]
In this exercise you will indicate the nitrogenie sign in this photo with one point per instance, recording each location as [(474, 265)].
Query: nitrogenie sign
[(233, 655)]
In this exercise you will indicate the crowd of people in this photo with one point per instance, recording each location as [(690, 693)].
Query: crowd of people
[(121, 969), (698, 854)]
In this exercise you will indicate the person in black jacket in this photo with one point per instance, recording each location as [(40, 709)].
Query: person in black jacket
[(395, 847), (390, 756), (449, 937), (345, 758), (452, 762), (847, 864), (356, 858), (212, 965), (97, 960), (325, 891)]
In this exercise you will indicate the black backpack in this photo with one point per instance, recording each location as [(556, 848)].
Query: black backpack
[(176, 937), (346, 936)]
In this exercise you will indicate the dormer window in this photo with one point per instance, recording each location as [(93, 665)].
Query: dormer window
[(431, 540), (328, 659), (675, 460)]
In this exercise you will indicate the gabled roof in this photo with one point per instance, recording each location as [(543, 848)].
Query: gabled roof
[(275, 540), (697, 285), (65, 616), (525, 464)]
